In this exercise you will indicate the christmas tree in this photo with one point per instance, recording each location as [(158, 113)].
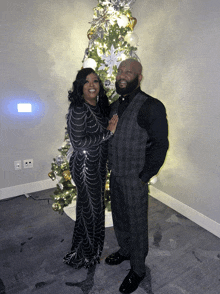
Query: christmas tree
[(111, 40)]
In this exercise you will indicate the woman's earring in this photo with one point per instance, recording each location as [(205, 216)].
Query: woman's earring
[(97, 98)]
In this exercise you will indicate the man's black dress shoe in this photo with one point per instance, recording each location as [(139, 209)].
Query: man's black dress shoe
[(115, 258), (131, 282)]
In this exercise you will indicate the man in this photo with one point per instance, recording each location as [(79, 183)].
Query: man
[(136, 152)]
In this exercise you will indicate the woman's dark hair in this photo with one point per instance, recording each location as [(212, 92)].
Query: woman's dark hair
[(75, 95)]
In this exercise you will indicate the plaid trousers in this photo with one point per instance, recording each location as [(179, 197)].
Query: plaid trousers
[(129, 201)]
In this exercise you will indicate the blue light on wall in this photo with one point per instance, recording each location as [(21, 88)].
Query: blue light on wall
[(24, 107), (21, 108)]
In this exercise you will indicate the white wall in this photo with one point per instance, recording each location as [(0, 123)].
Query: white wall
[(179, 48), (43, 46)]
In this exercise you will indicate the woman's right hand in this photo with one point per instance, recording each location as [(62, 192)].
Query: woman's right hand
[(112, 124)]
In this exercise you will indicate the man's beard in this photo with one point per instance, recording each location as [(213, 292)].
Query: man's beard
[(130, 87)]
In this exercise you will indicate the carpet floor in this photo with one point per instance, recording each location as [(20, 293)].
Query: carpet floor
[(183, 258)]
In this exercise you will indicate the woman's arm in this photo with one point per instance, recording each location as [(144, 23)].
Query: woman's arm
[(77, 129)]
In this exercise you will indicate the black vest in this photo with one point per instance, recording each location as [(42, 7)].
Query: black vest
[(127, 146)]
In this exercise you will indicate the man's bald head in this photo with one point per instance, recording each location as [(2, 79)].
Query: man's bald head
[(134, 64)]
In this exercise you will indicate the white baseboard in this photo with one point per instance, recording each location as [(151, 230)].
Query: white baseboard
[(26, 188), (192, 214)]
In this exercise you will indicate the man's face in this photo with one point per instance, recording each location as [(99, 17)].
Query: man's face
[(127, 79)]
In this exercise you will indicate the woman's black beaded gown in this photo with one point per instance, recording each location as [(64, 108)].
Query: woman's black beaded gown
[(88, 135)]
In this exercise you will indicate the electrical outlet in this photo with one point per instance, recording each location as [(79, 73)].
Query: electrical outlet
[(28, 163), (17, 164)]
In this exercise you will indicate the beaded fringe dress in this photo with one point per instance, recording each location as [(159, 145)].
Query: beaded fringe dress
[(88, 135)]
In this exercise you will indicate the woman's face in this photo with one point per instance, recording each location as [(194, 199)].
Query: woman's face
[(91, 89)]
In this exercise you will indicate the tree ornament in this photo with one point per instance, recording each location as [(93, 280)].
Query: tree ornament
[(107, 83), (122, 21), (56, 206), (90, 32), (100, 21), (131, 38), (67, 175), (100, 32), (111, 59), (132, 23), (90, 62), (59, 160), (52, 176)]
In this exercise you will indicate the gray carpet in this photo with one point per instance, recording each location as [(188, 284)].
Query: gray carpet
[(183, 257)]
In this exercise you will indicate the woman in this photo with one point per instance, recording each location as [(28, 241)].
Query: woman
[(88, 130)]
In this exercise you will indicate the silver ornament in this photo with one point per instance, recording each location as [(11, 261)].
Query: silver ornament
[(107, 83), (59, 160), (100, 32)]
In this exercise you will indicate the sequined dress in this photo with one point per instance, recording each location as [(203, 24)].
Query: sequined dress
[(88, 135)]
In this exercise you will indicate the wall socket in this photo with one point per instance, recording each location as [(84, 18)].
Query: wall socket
[(17, 164), (28, 163)]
